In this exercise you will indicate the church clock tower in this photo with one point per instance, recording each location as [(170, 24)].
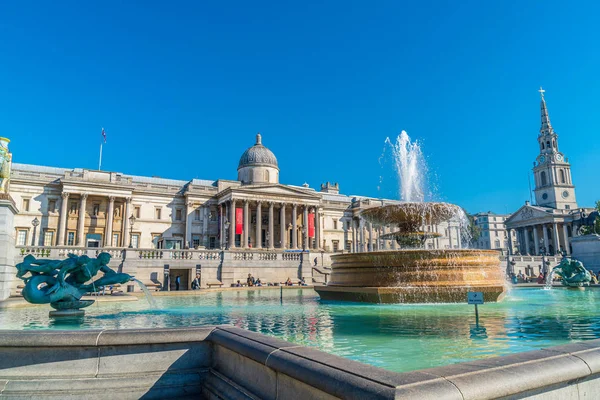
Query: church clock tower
[(552, 171)]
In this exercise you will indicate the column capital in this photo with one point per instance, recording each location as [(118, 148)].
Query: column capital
[(128, 200), (111, 199), (84, 195), (65, 195)]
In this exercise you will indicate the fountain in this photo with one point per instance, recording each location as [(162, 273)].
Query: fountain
[(572, 274), (414, 274), (62, 283)]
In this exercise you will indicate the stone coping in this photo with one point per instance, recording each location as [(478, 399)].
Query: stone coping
[(515, 374)]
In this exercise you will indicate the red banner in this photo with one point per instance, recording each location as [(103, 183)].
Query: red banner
[(239, 218), (311, 225)]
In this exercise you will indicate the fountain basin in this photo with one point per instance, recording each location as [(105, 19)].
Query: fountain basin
[(415, 276)]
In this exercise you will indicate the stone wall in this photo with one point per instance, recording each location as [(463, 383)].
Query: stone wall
[(587, 250), (228, 362)]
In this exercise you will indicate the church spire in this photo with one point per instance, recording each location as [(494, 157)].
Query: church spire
[(546, 127)]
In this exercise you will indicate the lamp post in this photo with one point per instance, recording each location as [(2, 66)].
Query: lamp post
[(35, 224), (227, 225), (131, 222)]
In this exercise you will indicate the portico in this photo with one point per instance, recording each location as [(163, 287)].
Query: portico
[(541, 230), (291, 220)]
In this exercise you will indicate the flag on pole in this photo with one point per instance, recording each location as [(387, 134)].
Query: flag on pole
[(104, 135)]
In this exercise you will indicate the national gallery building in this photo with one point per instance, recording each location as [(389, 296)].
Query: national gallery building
[(222, 229), (90, 208)]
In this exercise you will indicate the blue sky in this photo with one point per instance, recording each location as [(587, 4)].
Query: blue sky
[(182, 88)]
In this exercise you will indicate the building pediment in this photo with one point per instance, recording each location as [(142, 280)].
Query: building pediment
[(528, 214), (273, 192)]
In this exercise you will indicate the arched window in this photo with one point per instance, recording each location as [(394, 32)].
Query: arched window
[(542, 145), (562, 176), (554, 143), (548, 144), (497, 244), (267, 175), (543, 178)]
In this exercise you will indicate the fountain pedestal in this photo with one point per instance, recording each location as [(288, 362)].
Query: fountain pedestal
[(415, 276)]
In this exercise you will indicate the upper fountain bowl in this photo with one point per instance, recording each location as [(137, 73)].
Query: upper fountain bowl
[(410, 216)]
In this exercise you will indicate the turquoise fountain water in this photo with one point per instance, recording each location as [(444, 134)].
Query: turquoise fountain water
[(396, 337)]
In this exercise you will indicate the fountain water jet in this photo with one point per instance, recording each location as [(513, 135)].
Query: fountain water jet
[(413, 274)]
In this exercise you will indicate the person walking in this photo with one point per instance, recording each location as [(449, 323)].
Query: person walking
[(177, 282)]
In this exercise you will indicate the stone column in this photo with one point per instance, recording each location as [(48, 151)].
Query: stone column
[(318, 243), (305, 244), (510, 247), (370, 245), (536, 240), (81, 221), (294, 226), (232, 225), (62, 225), (546, 248), (383, 241), (205, 219), (188, 232), (361, 227), (258, 233), (125, 234), (566, 238), (459, 237), (109, 222), (555, 238), (527, 247), (393, 242), (450, 235), (271, 230), (221, 227), (282, 225), (246, 227)]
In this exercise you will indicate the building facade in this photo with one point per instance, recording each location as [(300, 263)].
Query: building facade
[(493, 234), (547, 228)]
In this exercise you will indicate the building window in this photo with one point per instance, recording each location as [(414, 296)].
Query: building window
[(335, 223), (567, 207), (155, 239), (51, 206), (562, 176), (195, 241), (25, 205), (70, 238), (135, 240), (137, 211), (213, 214), (157, 213), (48, 238), (497, 244), (96, 209), (21, 237), (73, 208), (543, 178), (115, 240), (177, 215), (348, 245), (336, 245), (197, 215)]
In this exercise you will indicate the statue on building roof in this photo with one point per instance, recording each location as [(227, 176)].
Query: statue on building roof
[(5, 164)]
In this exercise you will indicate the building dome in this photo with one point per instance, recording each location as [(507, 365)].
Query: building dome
[(258, 155), (258, 165)]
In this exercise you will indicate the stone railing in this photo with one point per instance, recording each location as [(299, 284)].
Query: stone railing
[(63, 251), (291, 256), (533, 259), (172, 254)]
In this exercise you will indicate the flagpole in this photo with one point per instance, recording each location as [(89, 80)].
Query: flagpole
[(100, 162)]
